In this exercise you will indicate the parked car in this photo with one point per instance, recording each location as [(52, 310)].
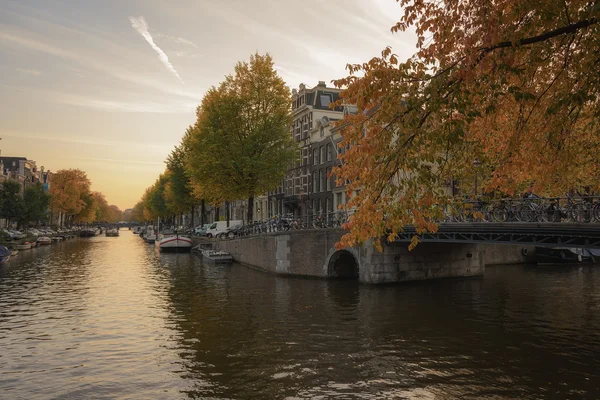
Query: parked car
[(18, 234), (7, 234), (221, 226), (33, 232), (201, 230)]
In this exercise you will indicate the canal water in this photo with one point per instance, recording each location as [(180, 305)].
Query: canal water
[(109, 318)]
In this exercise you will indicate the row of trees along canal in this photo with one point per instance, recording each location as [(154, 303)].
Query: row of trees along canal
[(238, 148), (68, 201), (506, 92)]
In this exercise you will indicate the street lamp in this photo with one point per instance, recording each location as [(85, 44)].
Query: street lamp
[(476, 164)]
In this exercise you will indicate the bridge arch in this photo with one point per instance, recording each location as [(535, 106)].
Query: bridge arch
[(342, 264)]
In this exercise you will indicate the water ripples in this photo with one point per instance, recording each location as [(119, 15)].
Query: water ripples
[(111, 318)]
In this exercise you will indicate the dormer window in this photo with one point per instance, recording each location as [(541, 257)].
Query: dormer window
[(326, 99)]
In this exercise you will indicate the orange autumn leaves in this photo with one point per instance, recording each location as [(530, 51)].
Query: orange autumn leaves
[(71, 195), (512, 84)]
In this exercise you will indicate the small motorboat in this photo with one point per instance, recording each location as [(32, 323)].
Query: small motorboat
[(113, 232), (44, 241), (86, 233), (561, 255), (173, 243), (24, 246), (217, 257), (5, 255), (150, 235)]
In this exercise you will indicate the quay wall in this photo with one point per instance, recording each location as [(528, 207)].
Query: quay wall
[(312, 253)]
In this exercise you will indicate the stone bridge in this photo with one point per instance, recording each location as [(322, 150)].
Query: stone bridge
[(312, 253)]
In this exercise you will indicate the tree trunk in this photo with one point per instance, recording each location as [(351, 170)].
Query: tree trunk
[(227, 212), (250, 209), (217, 213), (202, 213), (192, 220)]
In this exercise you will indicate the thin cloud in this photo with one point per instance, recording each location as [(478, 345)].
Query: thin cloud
[(29, 71), (185, 54), (140, 25), (178, 40), (185, 41)]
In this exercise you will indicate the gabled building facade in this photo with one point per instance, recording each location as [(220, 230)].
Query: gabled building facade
[(311, 108)]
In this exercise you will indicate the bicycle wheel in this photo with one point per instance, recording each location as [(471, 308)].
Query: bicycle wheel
[(524, 213), (596, 212), (500, 214), (581, 213)]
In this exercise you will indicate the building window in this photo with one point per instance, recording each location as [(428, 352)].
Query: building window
[(328, 205), (339, 199), (315, 182), (325, 99), (329, 152), (305, 157), (328, 179), (322, 179), (322, 154), (315, 156)]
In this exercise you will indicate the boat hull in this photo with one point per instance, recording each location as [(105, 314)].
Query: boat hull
[(22, 246), (44, 241), (557, 256), (216, 257), (175, 244)]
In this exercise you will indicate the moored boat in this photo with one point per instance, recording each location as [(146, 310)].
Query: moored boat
[(5, 255), (24, 246), (150, 235), (44, 241), (216, 257), (113, 232), (174, 243), (561, 255), (85, 233)]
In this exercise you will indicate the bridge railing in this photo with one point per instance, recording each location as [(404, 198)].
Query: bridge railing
[(530, 209)]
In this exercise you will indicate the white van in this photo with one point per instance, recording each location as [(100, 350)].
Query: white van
[(221, 226)]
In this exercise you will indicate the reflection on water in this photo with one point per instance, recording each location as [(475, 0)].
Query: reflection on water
[(110, 318)]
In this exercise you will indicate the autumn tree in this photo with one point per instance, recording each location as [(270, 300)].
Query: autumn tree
[(88, 213), (240, 145), (68, 190), (505, 89), (155, 204), (114, 214), (179, 192), (12, 206), (137, 213)]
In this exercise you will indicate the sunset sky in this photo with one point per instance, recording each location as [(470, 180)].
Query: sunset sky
[(110, 86)]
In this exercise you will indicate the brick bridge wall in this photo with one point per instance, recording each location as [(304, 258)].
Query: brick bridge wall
[(309, 252)]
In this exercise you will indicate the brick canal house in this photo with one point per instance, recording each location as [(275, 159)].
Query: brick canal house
[(306, 189)]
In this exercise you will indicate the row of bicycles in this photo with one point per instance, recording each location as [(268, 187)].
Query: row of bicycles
[(528, 209), (289, 222)]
